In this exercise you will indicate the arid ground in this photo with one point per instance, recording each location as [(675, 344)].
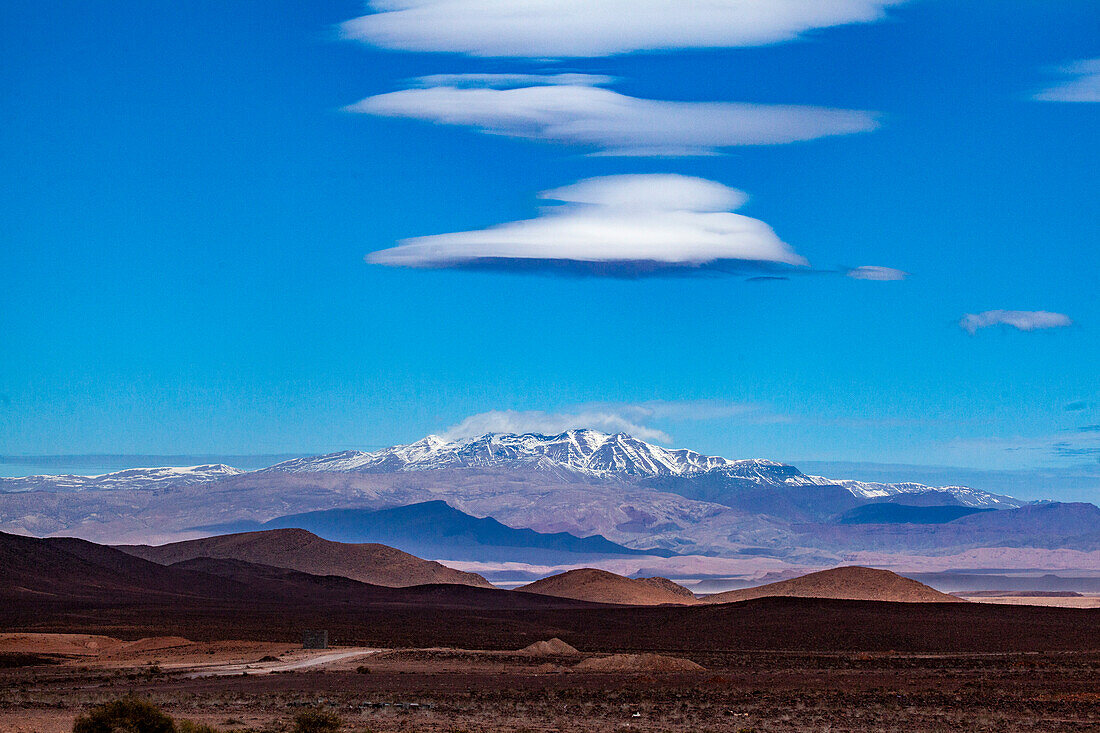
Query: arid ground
[(225, 684)]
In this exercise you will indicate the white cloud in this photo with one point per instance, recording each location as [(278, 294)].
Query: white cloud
[(578, 28), (1020, 320), (577, 112), (617, 226), (633, 418), (1084, 86), (875, 272)]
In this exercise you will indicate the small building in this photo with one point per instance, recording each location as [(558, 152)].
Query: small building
[(315, 639)]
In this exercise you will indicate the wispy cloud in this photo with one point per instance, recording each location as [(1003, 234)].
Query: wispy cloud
[(1073, 443), (615, 226), (1076, 406), (1082, 86), (633, 418), (875, 272), (576, 28), (572, 109), (1020, 320)]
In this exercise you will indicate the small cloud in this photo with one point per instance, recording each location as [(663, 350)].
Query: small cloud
[(571, 109), (1076, 406), (875, 272), (615, 226), (1088, 429), (1020, 320), (589, 28), (1083, 86)]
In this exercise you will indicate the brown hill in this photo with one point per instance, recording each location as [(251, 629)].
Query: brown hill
[(70, 570), (60, 575), (297, 549), (852, 583), (72, 586), (548, 648), (600, 586)]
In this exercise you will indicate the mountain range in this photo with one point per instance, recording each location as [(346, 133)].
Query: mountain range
[(435, 529), (562, 500), (591, 454)]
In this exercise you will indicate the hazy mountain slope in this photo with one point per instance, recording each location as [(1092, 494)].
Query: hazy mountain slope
[(296, 549), (435, 529), (771, 495), (853, 583), (1050, 526), (132, 479), (889, 513), (600, 586)]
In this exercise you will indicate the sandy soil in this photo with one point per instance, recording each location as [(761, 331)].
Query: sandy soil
[(176, 654), (1091, 601)]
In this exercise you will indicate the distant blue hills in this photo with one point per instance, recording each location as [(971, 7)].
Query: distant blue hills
[(435, 529)]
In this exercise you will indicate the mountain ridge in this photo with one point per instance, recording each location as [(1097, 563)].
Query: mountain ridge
[(594, 454), (436, 529), (302, 551)]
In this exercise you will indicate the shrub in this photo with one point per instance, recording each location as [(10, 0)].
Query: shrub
[(316, 721), (126, 715), (189, 726)]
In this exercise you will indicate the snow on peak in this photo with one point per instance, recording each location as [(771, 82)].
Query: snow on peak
[(583, 452), (130, 478)]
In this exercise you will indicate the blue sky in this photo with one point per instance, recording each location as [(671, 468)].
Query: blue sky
[(187, 206)]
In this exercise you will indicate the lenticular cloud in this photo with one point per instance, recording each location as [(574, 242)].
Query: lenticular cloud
[(579, 28), (573, 110), (617, 226)]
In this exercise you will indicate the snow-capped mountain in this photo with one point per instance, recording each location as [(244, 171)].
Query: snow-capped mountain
[(593, 454), (136, 479), (586, 452)]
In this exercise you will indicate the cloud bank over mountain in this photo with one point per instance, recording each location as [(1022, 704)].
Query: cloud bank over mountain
[(589, 28), (636, 419)]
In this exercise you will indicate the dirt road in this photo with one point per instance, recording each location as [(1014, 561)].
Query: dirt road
[(309, 659)]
